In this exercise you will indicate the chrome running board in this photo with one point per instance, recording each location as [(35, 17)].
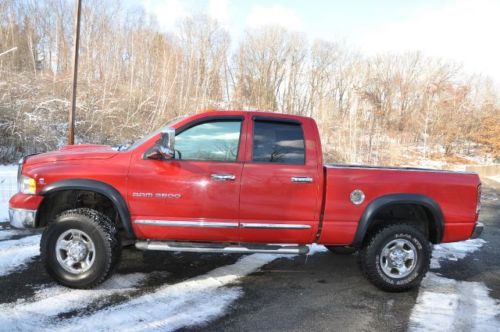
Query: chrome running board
[(222, 247)]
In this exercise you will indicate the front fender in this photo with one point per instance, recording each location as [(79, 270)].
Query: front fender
[(99, 187)]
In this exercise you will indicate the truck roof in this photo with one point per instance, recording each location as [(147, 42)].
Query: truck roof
[(254, 112)]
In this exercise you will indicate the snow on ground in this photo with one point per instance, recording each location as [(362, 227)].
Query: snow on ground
[(42, 310), (495, 178), (15, 254), (168, 307), (171, 307), (428, 163), (442, 304), (314, 248), (6, 234), (489, 196), (449, 305), (8, 187), (454, 251), (478, 157)]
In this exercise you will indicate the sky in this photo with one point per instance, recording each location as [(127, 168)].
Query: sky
[(463, 31)]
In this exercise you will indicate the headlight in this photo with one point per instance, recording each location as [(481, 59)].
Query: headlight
[(26, 185)]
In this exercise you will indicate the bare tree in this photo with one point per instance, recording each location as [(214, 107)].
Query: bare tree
[(390, 108)]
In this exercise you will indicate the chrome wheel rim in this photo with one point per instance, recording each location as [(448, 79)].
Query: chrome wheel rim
[(75, 251), (398, 258)]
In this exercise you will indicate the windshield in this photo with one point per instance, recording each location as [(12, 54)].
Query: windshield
[(148, 136)]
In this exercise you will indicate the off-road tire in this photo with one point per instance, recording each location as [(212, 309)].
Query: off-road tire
[(102, 232), (369, 257), (341, 250)]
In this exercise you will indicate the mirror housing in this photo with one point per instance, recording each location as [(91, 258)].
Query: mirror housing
[(164, 148)]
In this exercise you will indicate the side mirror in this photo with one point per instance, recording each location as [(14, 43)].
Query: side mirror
[(164, 148)]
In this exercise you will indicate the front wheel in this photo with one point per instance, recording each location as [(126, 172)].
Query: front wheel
[(80, 248), (396, 258)]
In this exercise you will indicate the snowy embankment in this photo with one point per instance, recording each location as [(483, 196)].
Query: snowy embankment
[(8, 187)]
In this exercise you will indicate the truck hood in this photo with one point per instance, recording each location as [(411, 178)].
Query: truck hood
[(74, 152)]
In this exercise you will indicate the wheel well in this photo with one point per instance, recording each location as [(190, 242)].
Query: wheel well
[(55, 203), (414, 214)]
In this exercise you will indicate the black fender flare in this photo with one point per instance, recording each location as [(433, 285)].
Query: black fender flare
[(99, 187), (383, 201)]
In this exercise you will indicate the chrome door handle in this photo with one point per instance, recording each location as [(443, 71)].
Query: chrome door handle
[(302, 179), (223, 177)]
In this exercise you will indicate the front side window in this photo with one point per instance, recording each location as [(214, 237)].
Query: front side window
[(278, 142), (214, 140)]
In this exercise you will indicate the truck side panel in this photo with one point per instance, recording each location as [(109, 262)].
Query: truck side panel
[(455, 193)]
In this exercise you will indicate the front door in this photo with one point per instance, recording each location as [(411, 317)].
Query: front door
[(195, 196), (280, 189)]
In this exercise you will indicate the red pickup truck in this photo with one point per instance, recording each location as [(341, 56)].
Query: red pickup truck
[(237, 182)]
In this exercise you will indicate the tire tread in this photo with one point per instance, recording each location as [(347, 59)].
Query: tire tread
[(108, 230), (369, 270)]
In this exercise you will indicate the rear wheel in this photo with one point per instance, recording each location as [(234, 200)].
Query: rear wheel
[(81, 248), (396, 258)]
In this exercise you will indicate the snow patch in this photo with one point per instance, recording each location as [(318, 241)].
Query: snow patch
[(14, 254), (488, 196), (458, 168), (8, 187), (315, 248), (47, 303), (171, 307), (434, 164), (450, 305), (494, 178), (454, 251), (478, 157), (9, 233)]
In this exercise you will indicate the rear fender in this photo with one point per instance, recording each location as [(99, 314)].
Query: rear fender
[(378, 204)]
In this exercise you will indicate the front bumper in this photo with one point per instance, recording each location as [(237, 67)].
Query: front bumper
[(22, 218), (478, 229), (22, 210)]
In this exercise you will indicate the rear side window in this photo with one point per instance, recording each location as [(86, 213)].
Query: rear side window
[(278, 142)]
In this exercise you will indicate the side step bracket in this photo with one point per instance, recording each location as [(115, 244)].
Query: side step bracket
[(222, 247)]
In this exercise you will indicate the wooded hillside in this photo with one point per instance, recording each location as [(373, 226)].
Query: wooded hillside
[(386, 109)]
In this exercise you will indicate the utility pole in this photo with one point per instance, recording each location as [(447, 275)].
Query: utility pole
[(71, 120)]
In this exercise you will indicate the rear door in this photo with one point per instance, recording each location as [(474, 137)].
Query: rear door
[(280, 186)]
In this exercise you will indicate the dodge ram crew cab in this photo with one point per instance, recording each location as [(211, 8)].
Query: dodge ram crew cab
[(237, 182)]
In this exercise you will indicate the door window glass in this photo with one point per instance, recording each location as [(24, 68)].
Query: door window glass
[(278, 142), (215, 140)]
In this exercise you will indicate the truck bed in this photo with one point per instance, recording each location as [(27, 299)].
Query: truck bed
[(455, 193), (416, 169)]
